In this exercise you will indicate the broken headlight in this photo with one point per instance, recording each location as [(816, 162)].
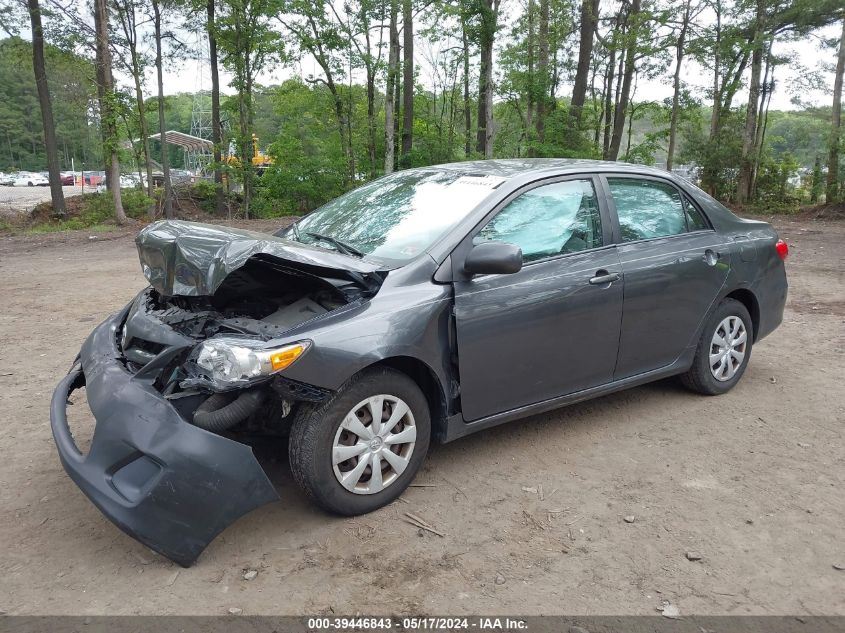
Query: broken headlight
[(227, 362)]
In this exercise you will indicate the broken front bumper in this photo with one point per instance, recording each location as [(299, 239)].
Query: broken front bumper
[(163, 481)]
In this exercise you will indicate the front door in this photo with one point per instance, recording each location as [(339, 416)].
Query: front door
[(552, 328), (674, 266)]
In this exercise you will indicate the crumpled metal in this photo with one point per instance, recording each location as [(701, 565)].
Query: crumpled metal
[(192, 259)]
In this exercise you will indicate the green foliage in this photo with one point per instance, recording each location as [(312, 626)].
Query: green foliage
[(774, 191), (70, 79), (309, 166), (719, 158), (203, 194), (97, 210), (326, 132), (101, 206)]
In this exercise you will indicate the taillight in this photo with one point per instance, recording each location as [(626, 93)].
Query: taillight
[(782, 248)]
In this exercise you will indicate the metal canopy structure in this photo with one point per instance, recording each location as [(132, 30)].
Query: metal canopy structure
[(198, 151)]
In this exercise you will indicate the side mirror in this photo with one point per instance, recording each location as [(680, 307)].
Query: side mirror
[(493, 258)]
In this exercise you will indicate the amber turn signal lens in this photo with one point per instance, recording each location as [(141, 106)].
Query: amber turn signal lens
[(284, 357)]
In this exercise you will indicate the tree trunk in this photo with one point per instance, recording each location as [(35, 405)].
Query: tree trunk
[(489, 18), (833, 188), (589, 18), (631, 114), (532, 80), (762, 119), (467, 110), (746, 167), (484, 142), (392, 77), (676, 86), (128, 20), (627, 78), (167, 205), (717, 57), (144, 131), (369, 66), (543, 72), (397, 127), (108, 121), (50, 144), (708, 175), (608, 102), (407, 83), (216, 129)]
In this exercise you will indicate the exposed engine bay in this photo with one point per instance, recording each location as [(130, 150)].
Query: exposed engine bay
[(258, 302), (262, 298)]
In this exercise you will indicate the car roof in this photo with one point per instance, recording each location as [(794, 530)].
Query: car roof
[(511, 168)]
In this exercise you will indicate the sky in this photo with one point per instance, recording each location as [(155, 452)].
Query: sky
[(805, 55)]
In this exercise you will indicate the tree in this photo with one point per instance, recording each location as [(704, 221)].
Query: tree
[(108, 103), (407, 83), (316, 34), (248, 44), (127, 17), (833, 188), (216, 128), (390, 88), (487, 14), (46, 107), (688, 13), (771, 19), (167, 202), (589, 23), (542, 72), (630, 66), (746, 168), (359, 26)]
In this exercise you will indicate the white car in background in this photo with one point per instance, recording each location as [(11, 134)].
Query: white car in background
[(26, 179), (127, 181)]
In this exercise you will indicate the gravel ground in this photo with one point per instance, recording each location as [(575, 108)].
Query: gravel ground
[(591, 509), (14, 200)]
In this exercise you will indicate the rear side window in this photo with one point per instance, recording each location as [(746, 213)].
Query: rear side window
[(695, 220), (647, 209)]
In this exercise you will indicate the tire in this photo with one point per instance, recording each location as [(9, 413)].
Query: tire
[(317, 432), (702, 376)]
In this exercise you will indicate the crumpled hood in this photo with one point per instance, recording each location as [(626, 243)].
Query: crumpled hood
[(193, 259)]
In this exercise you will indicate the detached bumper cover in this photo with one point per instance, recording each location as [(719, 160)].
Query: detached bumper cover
[(165, 482)]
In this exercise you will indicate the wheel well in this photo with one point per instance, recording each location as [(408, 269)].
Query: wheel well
[(427, 380), (747, 298)]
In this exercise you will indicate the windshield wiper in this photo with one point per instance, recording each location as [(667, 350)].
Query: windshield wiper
[(343, 247)]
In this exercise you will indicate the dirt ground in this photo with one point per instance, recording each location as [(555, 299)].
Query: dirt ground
[(751, 481)]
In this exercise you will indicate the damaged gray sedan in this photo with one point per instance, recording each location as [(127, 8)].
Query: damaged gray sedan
[(421, 307)]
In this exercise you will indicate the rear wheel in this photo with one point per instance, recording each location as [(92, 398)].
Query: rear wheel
[(723, 350), (358, 450)]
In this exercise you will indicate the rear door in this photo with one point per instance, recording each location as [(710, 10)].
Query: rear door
[(553, 327), (674, 265)]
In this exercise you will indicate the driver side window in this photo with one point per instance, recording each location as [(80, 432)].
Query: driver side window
[(554, 219)]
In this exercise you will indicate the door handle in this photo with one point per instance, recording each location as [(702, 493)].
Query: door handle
[(603, 277)]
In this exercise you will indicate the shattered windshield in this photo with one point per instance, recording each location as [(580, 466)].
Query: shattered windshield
[(394, 218)]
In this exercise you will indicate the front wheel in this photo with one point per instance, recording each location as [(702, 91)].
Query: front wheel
[(359, 449), (723, 350)]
